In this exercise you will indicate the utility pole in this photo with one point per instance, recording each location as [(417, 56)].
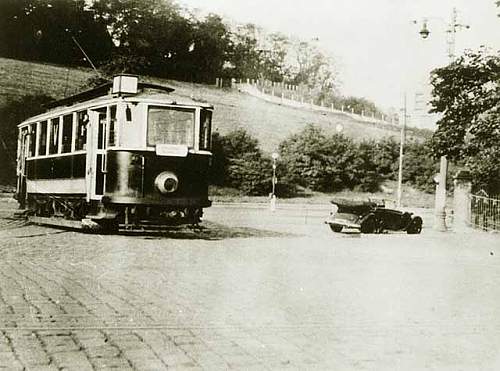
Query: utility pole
[(401, 154), (274, 156)]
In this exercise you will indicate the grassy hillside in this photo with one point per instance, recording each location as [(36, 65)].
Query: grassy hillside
[(269, 123)]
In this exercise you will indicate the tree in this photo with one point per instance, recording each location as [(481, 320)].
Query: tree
[(482, 153), (462, 92), (46, 30), (139, 45), (358, 105), (244, 55), (125, 17), (467, 94), (314, 69), (17, 38), (274, 66), (211, 47)]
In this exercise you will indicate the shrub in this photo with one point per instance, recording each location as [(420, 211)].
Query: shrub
[(318, 162), (386, 156), (419, 166), (238, 162), (218, 169), (366, 170), (251, 174), (313, 160), (331, 163), (13, 113), (234, 145)]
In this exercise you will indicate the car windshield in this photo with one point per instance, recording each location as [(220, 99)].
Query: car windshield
[(168, 125)]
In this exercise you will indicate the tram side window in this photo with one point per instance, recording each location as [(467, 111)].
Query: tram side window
[(112, 126), (205, 129), (42, 145), (32, 133), (101, 129), (81, 130), (54, 137), (67, 133)]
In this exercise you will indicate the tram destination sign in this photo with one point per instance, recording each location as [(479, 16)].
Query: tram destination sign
[(171, 150)]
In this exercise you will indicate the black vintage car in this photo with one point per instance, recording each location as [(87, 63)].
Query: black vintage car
[(371, 217)]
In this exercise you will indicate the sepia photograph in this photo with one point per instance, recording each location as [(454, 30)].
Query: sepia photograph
[(249, 185)]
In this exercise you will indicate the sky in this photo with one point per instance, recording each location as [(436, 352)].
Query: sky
[(375, 43)]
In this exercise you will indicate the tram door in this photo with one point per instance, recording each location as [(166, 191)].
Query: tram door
[(22, 147), (96, 153)]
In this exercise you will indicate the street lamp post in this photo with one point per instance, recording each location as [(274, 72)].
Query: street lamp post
[(274, 156), (440, 199)]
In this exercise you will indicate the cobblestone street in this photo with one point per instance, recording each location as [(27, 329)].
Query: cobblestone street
[(254, 290)]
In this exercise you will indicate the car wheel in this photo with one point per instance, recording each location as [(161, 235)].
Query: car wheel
[(369, 225), (380, 227), (336, 228), (415, 226)]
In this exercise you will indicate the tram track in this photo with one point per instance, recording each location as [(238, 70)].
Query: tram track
[(8, 223)]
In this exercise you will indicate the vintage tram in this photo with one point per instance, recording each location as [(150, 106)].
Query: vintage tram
[(125, 155)]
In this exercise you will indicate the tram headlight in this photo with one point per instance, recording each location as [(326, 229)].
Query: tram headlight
[(166, 182)]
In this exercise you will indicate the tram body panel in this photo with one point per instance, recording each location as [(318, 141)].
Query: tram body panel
[(134, 174), (116, 157)]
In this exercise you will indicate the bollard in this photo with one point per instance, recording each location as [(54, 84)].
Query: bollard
[(273, 203), (461, 202)]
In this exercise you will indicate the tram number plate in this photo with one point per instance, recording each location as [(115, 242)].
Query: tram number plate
[(171, 150)]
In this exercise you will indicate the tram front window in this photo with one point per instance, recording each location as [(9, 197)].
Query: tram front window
[(167, 125)]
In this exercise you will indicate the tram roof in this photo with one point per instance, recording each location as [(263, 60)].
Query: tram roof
[(148, 92), (100, 91), (145, 91)]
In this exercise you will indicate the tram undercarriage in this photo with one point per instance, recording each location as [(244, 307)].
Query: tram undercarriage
[(95, 216)]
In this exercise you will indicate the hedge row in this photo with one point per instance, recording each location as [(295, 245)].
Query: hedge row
[(316, 161)]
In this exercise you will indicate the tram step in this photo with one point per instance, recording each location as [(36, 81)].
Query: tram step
[(84, 224), (59, 222), (149, 227)]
